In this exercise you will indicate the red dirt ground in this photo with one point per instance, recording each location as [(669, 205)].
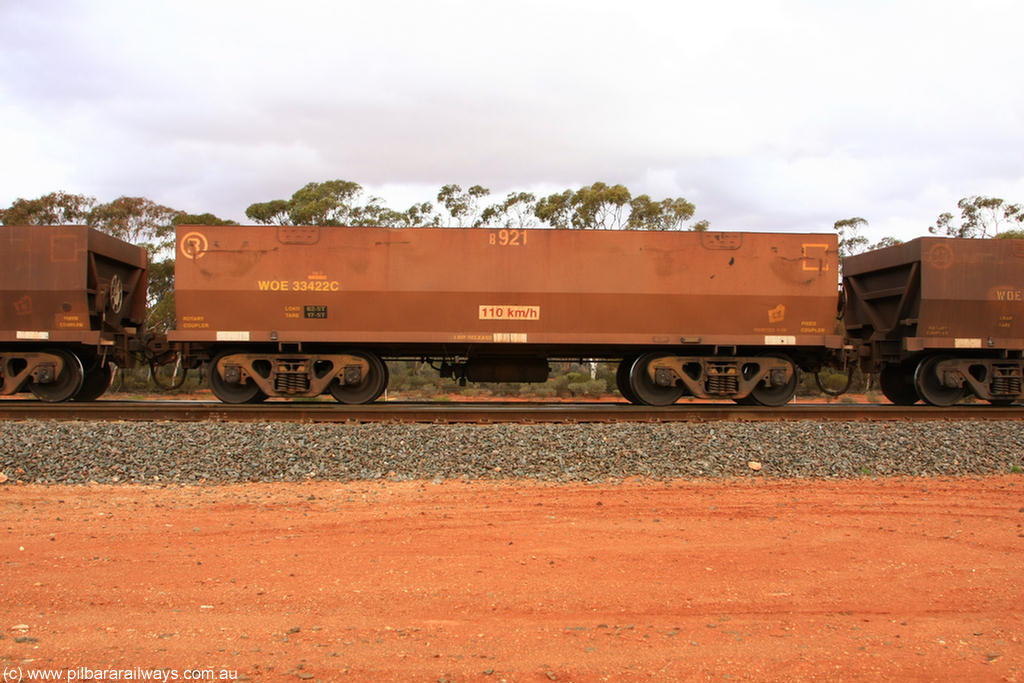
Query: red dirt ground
[(902, 580)]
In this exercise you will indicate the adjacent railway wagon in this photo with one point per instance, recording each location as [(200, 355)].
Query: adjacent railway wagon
[(302, 311), (73, 301), (940, 318)]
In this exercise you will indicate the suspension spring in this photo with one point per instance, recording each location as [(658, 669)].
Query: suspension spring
[(1006, 386), (722, 384), (291, 382)]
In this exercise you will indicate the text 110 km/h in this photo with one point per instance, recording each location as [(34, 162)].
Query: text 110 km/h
[(509, 312)]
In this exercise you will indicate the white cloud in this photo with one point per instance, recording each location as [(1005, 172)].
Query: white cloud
[(769, 115)]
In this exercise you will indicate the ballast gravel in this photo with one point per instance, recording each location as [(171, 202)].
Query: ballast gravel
[(185, 453)]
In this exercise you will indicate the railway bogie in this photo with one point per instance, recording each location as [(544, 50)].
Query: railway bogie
[(657, 379), (250, 376)]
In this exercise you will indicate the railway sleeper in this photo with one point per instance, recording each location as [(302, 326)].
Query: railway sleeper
[(292, 375), (715, 377)]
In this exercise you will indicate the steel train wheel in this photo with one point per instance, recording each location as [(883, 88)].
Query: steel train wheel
[(897, 385), (66, 385), (622, 379), (926, 379), (775, 396), (233, 392), (644, 388), (748, 371), (95, 382), (369, 388)]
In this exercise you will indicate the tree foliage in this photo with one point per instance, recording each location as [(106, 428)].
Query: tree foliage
[(1014, 234), (327, 203), (137, 220), (555, 209), (463, 206), (979, 217), (274, 212), (518, 210), (200, 219), (850, 240), (600, 206), (612, 207), (885, 242), (56, 208), (668, 214), (596, 206), (375, 213), (336, 202)]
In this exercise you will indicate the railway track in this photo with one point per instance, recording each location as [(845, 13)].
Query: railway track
[(436, 412)]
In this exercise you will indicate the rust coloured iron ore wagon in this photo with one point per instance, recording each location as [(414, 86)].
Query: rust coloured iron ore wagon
[(301, 311), (74, 300), (940, 318)]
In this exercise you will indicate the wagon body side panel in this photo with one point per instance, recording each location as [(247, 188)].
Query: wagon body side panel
[(560, 289)]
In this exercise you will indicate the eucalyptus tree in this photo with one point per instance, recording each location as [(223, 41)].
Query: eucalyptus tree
[(979, 217)]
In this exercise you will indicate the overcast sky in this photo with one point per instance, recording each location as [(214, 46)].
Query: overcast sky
[(768, 115)]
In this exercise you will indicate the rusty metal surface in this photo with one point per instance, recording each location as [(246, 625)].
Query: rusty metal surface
[(17, 369), (294, 377), (462, 288), (934, 293), (197, 411), (58, 282)]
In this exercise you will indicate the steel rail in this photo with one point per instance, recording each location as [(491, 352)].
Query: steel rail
[(484, 413)]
